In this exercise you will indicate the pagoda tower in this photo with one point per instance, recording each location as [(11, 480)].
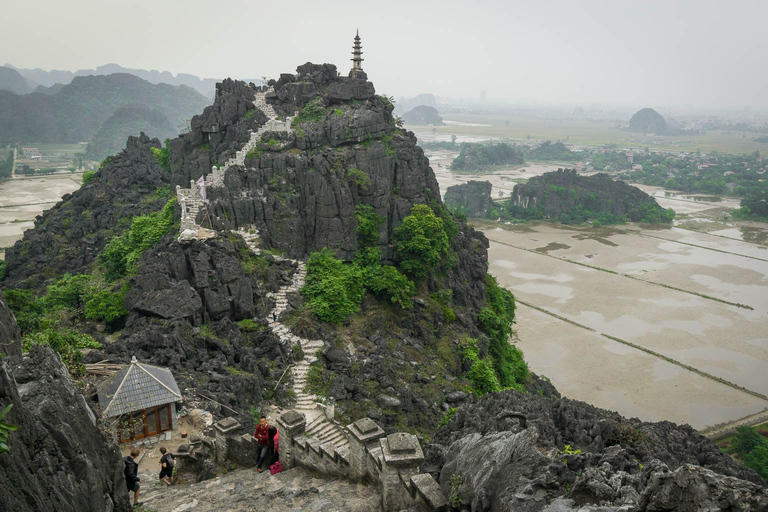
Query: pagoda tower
[(357, 59)]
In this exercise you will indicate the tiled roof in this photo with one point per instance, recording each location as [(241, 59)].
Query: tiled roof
[(137, 386)]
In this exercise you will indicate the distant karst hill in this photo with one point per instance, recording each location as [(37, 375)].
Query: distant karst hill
[(565, 196), (11, 80), (423, 116), (128, 120), (77, 111), (552, 151), (58, 78), (648, 120), (478, 157), (472, 199)]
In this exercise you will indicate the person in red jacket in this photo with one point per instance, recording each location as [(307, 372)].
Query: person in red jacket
[(262, 437)]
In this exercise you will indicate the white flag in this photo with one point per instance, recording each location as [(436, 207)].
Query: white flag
[(201, 185)]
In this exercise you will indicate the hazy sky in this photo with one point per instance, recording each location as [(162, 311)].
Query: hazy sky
[(655, 53)]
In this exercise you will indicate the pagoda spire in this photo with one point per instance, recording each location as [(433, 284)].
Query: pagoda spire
[(357, 59)]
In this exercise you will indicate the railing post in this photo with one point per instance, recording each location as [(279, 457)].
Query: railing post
[(292, 424)]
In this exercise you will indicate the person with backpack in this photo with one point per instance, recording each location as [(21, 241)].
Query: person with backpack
[(132, 480), (167, 463)]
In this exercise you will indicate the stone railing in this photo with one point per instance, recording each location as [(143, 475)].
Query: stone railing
[(391, 462)]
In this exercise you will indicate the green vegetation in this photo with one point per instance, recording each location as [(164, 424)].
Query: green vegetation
[(253, 153), (249, 114), (496, 321), (333, 289), (754, 205), (481, 373), (477, 157), (88, 177), (421, 241), (6, 165), (163, 156), (5, 429), (752, 448), (3, 269), (67, 343), (123, 252), (248, 324), (360, 178), (313, 112)]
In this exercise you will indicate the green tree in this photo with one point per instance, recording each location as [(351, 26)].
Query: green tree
[(333, 289), (421, 241)]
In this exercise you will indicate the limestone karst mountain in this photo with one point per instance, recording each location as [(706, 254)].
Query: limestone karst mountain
[(266, 179), (648, 120)]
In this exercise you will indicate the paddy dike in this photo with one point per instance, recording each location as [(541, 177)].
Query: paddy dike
[(659, 324)]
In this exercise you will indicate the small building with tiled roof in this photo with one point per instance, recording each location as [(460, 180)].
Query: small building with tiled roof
[(142, 400)]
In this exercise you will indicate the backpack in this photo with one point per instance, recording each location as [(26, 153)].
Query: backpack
[(275, 468), (170, 460)]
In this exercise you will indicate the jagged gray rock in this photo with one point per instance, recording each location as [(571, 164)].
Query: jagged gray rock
[(515, 451), (59, 460)]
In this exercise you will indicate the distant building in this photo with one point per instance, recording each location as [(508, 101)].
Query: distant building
[(637, 167), (31, 152), (142, 400)]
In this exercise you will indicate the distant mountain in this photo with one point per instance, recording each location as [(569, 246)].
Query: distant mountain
[(11, 80), (403, 105), (648, 120), (205, 86), (77, 111), (423, 116), (126, 121)]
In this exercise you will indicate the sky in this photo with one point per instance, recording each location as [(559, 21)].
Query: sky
[(614, 52)]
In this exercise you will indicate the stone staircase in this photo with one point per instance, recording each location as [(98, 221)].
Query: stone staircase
[(191, 199), (318, 426)]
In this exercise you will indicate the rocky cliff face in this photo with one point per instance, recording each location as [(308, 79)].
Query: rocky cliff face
[(68, 237), (513, 451), (58, 460)]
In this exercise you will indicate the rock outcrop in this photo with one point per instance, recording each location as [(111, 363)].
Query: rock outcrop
[(472, 198), (513, 451), (68, 237), (648, 120), (58, 458)]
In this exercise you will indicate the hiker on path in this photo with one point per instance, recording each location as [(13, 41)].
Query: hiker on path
[(167, 463), (262, 437), (272, 436), (274, 317), (132, 480)]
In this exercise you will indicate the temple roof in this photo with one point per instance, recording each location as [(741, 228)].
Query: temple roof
[(137, 386)]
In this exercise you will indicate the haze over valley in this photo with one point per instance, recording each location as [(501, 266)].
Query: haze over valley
[(434, 257)]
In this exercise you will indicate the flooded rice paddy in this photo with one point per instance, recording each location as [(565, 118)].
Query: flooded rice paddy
[(22, 199), (659, 323)]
